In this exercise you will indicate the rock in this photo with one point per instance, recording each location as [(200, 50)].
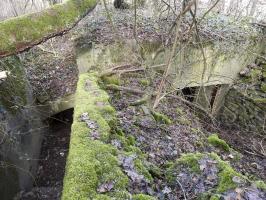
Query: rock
[(230, 156), (116, 143), (106, 187), (237, 180), (166, 190), (245, 72)]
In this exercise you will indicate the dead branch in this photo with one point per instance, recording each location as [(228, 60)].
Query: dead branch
[(193, 105), (146, 97), (124, 89), (169, 62), (140, 101)]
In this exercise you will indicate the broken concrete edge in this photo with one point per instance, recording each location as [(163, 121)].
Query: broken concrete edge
[(93, 162), (23, 32), (226, 173)]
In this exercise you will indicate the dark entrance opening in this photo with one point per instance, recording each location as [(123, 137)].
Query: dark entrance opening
[(213, 94), (189, 93)]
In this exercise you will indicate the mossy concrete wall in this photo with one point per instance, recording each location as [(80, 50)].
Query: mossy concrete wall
[(51, 108), (222, 67), (188, 69), (92, 160), (20, 33)]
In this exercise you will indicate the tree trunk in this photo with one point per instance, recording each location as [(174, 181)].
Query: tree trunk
[(20, 33), (253, 7)]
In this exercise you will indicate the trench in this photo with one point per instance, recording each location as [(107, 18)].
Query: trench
[(52, 160), (47, 182)]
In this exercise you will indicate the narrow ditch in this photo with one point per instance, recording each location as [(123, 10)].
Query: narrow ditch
[(48, 182)]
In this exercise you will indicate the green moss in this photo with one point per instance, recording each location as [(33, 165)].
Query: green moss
[(131, 140), (255, 74), (261, 185), (199, 143), (190, 160), (143, 197), (155, 171), (215, 197), (91, 162), (37, 26), (121, 195), (102, 197), (184, 121), (217, 142), (179, 111), (260, 100), (264, 74), (141, 169), (263, 87), (111, 80), (161, 118), (14, 90), (144, 82), (226, 175)]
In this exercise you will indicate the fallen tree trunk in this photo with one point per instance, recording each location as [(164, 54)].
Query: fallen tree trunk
[(20, 33)]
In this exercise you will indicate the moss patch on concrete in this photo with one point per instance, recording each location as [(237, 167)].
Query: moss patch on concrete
[(93, 162), (34, 28)]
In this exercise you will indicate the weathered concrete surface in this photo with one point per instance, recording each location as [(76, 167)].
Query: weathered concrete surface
[(53, 107), (20, 131), (243, 112)]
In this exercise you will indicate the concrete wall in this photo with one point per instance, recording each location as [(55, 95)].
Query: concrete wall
[(20, 131), (243, 112)]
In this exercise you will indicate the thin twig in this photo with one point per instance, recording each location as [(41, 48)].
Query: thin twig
[(169, 62)]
